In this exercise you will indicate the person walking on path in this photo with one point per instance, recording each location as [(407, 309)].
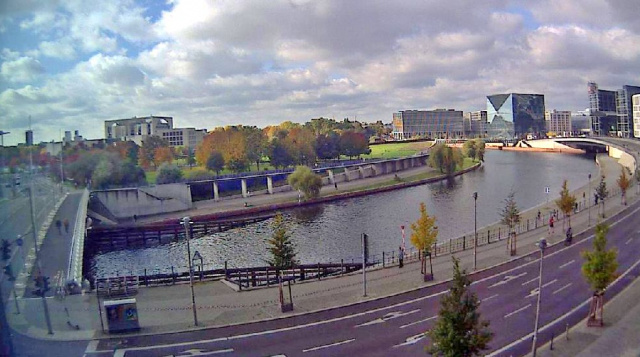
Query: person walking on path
[(66, 225), (551, 230), (59, 225)]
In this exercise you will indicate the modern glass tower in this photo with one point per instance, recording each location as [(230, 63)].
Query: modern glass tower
[(514, 115)]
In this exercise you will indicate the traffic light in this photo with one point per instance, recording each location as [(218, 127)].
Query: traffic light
[(45, 284), (8, 272), (6, 250)]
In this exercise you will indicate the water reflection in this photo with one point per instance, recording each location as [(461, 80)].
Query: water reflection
[(331, 232)]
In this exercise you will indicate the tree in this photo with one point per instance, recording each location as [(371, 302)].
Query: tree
[(510, 217), (353, 144), (602, 192), (480, 147), (229, 141), (328, 146), (110, 171), (300, 144), (199, 174), (459, 331), (237, 165), (470, 149), (168, 173), (599, 269), (163, 155), (305, 181), (127, 150), (146, 154), (255, 144), (566, 203), (278, 154), (281, 248), (423, 236), (624, 183), (445, 158), (215, 162)]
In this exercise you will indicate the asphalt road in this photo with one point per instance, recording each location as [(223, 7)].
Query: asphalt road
[(395, 325)]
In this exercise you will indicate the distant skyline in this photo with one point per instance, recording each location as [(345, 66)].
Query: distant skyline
[(73, 64)]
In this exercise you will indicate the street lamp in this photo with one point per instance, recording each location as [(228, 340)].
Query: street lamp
[(542, 244), (475, 230), (186, 221), (589, 198)]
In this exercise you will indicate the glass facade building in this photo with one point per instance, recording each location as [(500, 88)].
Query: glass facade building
[(611, 111), (431, 124), (514, 115)]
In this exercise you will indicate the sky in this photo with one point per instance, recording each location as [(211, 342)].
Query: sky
[(71, 64)]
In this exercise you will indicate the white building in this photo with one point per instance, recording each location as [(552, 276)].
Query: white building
[(636, 115), (137, 129), (559, 122)]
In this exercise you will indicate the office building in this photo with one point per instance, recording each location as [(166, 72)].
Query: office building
[(611, 111), (431, 124), (559, 122), (138, 129), (515, 115), (624, 109), (635, 100), (476, 124)]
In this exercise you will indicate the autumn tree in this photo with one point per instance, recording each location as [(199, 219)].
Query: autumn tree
[(163, 155), (510, 217), (215, 162), (599, 269), (424, 234), (281, 248), (255, 144), (300, 143), (602, 192), (146, 154), (127, 150), (624, 183), (306, 181), (328, 146), (459, 329), (353, 144), (566, 203), (229, 141), (168, 173)]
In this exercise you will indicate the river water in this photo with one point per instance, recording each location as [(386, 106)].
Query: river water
[(330, 232)]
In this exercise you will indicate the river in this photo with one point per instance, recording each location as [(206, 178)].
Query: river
[(330, 232)]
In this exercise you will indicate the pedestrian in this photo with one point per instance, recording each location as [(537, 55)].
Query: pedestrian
[(569, 237), (551, 230), (539, 216), (58, 225), (400, 257), (66, 225), (335, 184)]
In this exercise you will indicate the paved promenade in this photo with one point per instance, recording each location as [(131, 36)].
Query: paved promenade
[(167, 309)]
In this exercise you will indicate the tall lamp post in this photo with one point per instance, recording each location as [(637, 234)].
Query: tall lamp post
[(186, 221), (475, 230), (589, 198), (542, 244)]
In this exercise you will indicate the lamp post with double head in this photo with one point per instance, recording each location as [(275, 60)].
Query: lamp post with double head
[(186, 221), (475, 230), (542, 244)]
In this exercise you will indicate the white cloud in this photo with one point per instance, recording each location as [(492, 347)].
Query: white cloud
[(23, 69), (61, 49)]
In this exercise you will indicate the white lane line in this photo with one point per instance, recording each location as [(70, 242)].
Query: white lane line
[(629, 241), (411, 340), (387, 317), (562, 288), (329, 345), (191, 352), (549, 283), (507, 279), (489, 298), (419, 321), (567, 263), (363, 313), (517, 311), (530, 281), (91, 346)]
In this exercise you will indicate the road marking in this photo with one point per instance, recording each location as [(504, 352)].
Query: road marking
[(629, 241), (562, 288), (411, 340), (419, 321), (91, 346), (534, 292), (517, 311), (490, 297), (565, 264), (199, 352), (507, 279), (530, 281), (387, 317), (330, 345)]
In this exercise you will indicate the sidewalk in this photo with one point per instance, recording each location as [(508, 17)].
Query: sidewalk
[(167, 309)]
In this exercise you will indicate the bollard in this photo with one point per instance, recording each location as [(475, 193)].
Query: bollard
[(342, 266), (173, 276), (527, 224), (383, 259), (499, 233), (318, 272), (464, 243), (226, 273), (551, 347), (488, 236), (566, 328)]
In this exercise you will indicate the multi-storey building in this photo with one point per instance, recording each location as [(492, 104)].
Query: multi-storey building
[(137, 129), (515, 115), (477, 124), (559, 122), (432, 124), (635, 100), (611, 110)]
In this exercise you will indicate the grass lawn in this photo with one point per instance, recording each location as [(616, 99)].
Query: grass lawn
[(395, 150)]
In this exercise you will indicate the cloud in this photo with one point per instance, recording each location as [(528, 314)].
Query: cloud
[(23, 69), (61, 50)]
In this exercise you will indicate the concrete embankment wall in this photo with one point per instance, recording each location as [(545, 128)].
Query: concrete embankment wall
[(624, 158), (124, 203)]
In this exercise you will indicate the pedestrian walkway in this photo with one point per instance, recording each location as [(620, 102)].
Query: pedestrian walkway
[(167, 308)]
